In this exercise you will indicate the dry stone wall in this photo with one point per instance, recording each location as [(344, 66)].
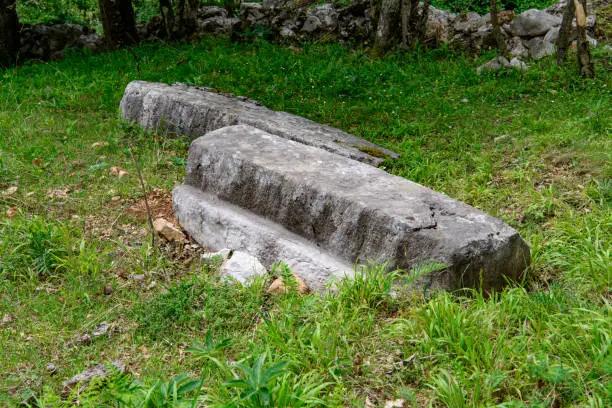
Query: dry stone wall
[(531, 34)]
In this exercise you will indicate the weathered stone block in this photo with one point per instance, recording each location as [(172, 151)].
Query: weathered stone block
[(353, 212), (193, 112)]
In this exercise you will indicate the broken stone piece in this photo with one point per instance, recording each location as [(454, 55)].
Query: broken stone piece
[(242, 267), (51, 368), (223, 254), (168, 231), (82, 379)]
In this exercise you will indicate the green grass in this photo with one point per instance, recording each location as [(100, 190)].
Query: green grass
[(532, 149)]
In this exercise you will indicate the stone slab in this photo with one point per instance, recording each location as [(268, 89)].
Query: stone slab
[(193, 112), (351, 211), (214, 223)]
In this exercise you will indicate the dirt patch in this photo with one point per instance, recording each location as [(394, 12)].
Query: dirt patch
[(160, 203)]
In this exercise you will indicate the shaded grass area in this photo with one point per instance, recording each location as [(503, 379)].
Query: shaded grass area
[(532, 149)]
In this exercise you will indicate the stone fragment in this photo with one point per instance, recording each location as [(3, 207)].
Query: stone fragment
[(100, 330), (211, 11), (51, 368), (469, 22), (193, 112), (287, 33), (516, 48), (215, 25), (552, 35), (96, 371), (242, 267), (168, 231), (538, 48), (253, 191), (323, 18), (533, 22), (517, 64), (494, 64), (253, 14)]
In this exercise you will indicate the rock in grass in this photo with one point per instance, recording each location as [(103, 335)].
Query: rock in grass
[(51, 368), (281, 200), (95, 371), (193, 112), (223, 254), (498, 63), (168, 231), (242, 267)]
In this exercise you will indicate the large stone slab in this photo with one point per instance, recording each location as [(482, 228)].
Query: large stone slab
[(193, 112), (351, 211)]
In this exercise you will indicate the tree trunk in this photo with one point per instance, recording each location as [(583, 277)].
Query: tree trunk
[(399, 21), (388, 29), (179, 17), (583, 49), (9, 33), (497, 34), (190, 16), (167, 13), (413, 23), (118, 22), (563, 41)]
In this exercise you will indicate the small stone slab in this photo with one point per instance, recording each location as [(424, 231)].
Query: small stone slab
[(193, 112), (351, 211)]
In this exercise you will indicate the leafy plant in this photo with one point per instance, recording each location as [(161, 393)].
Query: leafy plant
[(43, 248), (257, 383), (210, 350), (369, 286)]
